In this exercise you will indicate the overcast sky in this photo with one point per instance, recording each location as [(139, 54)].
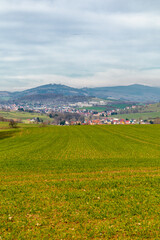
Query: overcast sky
[(79, 43)]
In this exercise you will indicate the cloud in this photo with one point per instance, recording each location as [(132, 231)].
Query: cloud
[(112, 77), (79, 41)]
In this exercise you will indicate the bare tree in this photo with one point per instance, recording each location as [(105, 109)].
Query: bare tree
[(12, 123)]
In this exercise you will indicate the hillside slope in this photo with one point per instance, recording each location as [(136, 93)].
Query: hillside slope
[(132, 92), (139, 93)]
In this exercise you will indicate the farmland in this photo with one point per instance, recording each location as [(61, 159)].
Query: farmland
[(97, 109), (150, 111), (137, 116), (80, 182), (22, 115)]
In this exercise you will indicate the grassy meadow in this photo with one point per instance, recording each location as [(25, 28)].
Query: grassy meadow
[(23, 116), (80, 182), (145, 112), (137, 116)]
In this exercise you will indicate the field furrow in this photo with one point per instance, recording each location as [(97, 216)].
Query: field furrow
[(80, 182)]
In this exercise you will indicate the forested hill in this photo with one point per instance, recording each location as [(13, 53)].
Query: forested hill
[(132, 92)]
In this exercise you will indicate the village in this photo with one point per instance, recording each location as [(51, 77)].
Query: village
[(74, 115), (107, 121)]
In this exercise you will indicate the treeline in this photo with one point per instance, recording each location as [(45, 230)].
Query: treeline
[(141, 109), (49, 99), (12, 123), (2, 119), (156, 121), (62, 118)]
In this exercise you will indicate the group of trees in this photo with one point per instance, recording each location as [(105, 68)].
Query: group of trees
[(62, 118), (128, 111), (12, 123), (157, 121), (2, 119)]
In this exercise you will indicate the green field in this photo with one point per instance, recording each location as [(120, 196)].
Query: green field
[(97, 109), (149, 108), (144, 112), (80, 182), (137, 116), (22, 115)]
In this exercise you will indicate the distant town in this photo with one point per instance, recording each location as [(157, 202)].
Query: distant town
[(62, 105), (80, 113)]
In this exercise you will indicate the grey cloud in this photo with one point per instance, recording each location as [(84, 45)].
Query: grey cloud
[(69, 39)]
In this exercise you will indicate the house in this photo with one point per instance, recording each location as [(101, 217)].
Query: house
[(66, 123), (122, 121), (114, 122), (127, 122), (95, 122)]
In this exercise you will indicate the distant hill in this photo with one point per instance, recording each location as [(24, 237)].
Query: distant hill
[(57, 89), (136, 92)]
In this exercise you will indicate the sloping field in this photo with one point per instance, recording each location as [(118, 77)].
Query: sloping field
[(22, 115), (137, 116), (80, 182)]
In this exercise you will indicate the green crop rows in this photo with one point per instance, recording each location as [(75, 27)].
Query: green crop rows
[(80, 182)]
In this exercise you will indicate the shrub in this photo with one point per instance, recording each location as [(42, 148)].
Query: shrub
[(12, 124)]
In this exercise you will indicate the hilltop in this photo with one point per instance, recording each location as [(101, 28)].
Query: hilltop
[(135, 92)]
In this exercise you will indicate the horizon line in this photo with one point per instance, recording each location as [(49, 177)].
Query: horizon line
[(25, 89)]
